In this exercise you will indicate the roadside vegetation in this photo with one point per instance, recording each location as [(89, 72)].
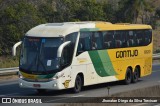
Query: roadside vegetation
[(8, 61), (18, 16)]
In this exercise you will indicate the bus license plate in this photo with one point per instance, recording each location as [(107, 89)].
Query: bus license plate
[(37, 85)]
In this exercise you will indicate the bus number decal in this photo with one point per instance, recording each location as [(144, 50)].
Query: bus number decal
[(147, 51)]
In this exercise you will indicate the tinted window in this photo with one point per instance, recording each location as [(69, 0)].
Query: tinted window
[(69, 50), (113, 39), (97, 40), (119, 38), (139, 37), (108, 40), (148, 36), (84, 41), (130, 39)]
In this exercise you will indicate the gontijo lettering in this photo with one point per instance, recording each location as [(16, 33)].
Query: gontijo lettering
[(126, 53)]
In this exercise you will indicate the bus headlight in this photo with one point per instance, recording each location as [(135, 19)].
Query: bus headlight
[(54, 85), (58, 76), (20, 75)]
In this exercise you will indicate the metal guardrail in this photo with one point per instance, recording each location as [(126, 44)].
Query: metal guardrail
[(14, 70), (9, 71), (156, 56)]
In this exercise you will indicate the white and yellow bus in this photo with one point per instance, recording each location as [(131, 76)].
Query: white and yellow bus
[(76, 54)]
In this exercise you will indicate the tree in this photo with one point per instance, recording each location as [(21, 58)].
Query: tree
[(47, 11), (90, 10), (134, 8), (110, 10), (16, 20)]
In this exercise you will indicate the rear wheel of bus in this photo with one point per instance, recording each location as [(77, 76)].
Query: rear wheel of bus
[(135, 75), (128, 76)]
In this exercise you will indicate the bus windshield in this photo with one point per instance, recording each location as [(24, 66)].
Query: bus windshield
[(40, 54)]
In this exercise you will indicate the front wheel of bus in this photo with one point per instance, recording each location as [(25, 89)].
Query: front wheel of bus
[(128, 76), (78, 84), (41, 91)]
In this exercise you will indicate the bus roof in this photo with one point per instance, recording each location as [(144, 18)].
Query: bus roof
[(62, 29)]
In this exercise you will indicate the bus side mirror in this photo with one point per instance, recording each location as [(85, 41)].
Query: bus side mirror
[(61, 47), (14, 48)]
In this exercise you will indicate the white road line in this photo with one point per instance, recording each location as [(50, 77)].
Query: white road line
[(154, 64), (64, 98), (155, 71), (157, 105), (56, 100), (140, 104), (10, 94), (77, 96)]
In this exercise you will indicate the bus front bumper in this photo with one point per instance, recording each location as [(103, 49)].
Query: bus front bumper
[(54, 85)]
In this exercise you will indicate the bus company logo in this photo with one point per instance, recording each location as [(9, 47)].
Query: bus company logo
[(6, 100), (126, 53), (66, 83)]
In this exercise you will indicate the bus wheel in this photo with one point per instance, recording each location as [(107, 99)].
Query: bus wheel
[(78, 84), (135, 75), (128, 76), (41, 91)]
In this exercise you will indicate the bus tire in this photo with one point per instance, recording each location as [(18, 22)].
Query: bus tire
[(41, 91), (135, 75), (78, 84), (128, 76)]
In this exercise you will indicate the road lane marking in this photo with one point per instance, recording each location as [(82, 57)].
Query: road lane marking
[(157, 105), (56, 100), (155, 71), (10, 94), (77, 96), (64, 98), (155, 64), (140, 104)]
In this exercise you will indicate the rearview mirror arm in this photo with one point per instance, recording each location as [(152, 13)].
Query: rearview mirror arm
[(60, 49), (14, 48)]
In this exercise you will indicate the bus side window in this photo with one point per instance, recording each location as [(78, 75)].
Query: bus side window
[(84, 43), (139, 37), (118, 39), (124, 38), (108, 39), (96, 41), (69, 49), (80, 46), (87, 41), (147, 36), (130, 40)]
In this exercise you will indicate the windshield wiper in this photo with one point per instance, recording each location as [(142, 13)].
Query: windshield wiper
[(35, 59), (39, 59)]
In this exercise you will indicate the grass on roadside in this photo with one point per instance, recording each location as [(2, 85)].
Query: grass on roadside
[(9, 61)]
